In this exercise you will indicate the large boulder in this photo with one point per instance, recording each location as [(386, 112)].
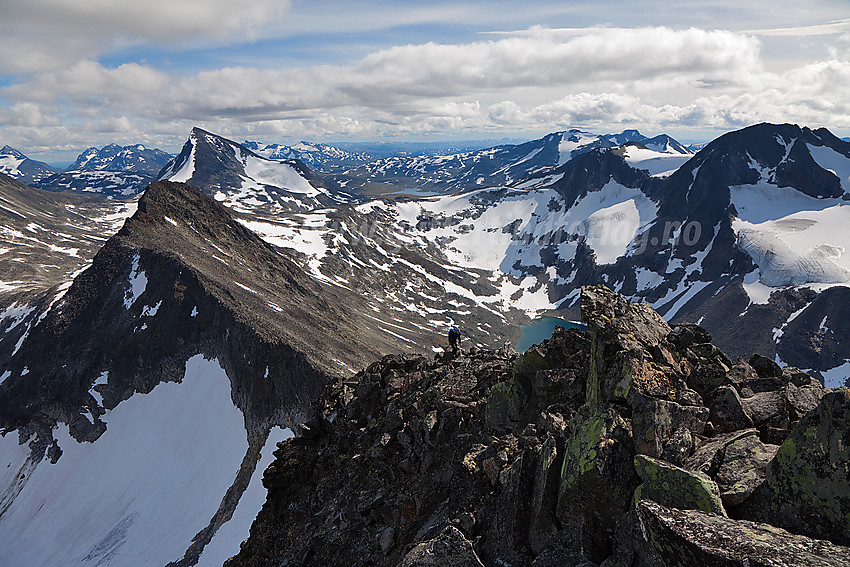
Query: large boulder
[(597, 476), (742, 467), (654, 422), (686, 538), (727, 410), (676, 487), (807, 485)]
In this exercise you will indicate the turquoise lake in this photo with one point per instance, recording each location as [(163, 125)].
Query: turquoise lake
[(541, 329)]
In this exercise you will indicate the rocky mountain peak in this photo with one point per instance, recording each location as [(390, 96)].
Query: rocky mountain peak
[(592, 448), (10, 151)]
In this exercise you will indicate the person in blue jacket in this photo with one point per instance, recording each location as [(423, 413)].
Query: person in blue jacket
[(454, 340)]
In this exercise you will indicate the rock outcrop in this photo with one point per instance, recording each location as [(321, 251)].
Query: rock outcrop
[(633, 443)]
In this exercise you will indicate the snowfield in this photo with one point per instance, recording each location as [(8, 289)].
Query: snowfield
[(793, 238), (140, 493)]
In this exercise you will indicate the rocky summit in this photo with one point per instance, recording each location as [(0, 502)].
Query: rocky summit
[(632, 443)]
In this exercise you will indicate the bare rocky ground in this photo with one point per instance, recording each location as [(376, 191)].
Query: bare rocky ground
[(631, 444)]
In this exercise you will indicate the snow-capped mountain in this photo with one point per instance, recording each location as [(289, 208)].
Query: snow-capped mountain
[(245, 181), (741, 237), (511, 165), (647, 218), (115, 171), (18, 166), (136, 158), (744, 238), (228, 319), (320, 157)]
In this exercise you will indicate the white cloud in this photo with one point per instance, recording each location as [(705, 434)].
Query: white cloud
[(653, 78), (51, 34)]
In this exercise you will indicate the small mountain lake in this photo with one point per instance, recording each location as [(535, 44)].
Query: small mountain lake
[(541, 329)]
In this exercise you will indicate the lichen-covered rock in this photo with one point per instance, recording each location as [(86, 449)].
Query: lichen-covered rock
[(676, 487), (597, 476), (654, 421), (807, 485), (742, 468), (449, 549), (687, 538)]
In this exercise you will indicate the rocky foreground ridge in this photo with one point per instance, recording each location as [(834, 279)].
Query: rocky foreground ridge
[(631, 444)]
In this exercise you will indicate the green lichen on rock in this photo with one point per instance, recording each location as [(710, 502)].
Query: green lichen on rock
[(807, 485), (676, 487), (531, 362), (597, 470), (503, 404)]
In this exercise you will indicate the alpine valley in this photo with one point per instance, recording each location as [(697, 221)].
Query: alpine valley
[(166, 321)]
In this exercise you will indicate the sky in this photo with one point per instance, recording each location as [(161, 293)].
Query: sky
[(81, 73)]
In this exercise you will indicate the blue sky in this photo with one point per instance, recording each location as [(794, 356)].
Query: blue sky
[(85, 73)]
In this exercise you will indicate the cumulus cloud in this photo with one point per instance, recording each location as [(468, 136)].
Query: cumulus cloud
[(654, 78), (50, 34), (400, 78)]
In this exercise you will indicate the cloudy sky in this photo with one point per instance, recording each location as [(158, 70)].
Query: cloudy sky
[(79, 73)]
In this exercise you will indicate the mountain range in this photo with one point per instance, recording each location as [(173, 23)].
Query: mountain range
[(18, 166), (239, 286), (748, 227)]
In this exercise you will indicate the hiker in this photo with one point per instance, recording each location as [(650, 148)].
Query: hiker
[(454, 340)]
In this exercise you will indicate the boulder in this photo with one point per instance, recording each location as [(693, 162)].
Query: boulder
[(727, 410), (807, 484), (654, 421), (742, 467), (802, 398), (708, 375), (686, 538), (676, 487), (679, 448), (684, 335), (765, 367), (708, 455), (767, 409), (449, 549)]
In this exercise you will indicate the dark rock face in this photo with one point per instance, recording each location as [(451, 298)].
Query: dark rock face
[(555, 457)]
